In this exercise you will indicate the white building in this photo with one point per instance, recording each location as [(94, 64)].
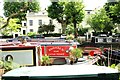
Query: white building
[(34, 20)]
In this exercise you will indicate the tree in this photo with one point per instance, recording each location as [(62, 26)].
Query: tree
[(18, 10), (56, 11), (82, 31), (2, 21), (74, 10), (100, 22), (11, 27), (69, 29), (66, 13), (13, 7), (113, 11), (46, 28)]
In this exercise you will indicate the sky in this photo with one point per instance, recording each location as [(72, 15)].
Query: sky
[(92, 4), (89, 4)]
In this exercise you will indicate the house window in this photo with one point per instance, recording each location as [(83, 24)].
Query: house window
[(60, 30), (40, 22), (24, 24), (31, 30), (50, 21), (24, 32), (31, 22), (88, 12)]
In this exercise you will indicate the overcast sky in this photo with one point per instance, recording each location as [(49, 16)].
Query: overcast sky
[(92, 4), (89, 4)]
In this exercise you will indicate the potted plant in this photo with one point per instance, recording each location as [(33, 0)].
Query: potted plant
[(9, 64), (74, 54), (46, 60), (1, 68)]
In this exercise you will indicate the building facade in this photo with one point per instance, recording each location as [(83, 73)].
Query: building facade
[(35, 20)]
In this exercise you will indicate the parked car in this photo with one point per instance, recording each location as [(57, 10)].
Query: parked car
[(63, 36), (116, 35), (19, 38), (92, 51), (103, 35), (39, 36)]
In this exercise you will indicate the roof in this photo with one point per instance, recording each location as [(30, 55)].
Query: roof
[(60, 71)]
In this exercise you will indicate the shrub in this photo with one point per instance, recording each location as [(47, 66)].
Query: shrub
[(70, 37)]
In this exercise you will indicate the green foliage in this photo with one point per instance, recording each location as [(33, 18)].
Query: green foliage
[(10, 65), (34, 6), (76, 52), (66, 13), (18, 9), (1, 64), (14, 7), (56, 11), (113, 11), (70, 29), (45, 60), (118, 67), (46, 28), (82, 31), (31, 33), (74, 10), (12, 27), (112, 66), (70, 37), (100, 22), (80, 40), (75, 13), (2, 21)]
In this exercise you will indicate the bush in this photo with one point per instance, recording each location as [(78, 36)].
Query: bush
[(31, 34), (70, 37)]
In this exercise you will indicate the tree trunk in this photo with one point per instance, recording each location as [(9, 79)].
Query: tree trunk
[(75, 29), (63, 28), (47, 32)]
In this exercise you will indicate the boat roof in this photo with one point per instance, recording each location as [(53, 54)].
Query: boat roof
[(60, 71)]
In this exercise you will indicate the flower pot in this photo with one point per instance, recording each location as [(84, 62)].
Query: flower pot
[(71, 62), (76, 60), (2, 71)]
